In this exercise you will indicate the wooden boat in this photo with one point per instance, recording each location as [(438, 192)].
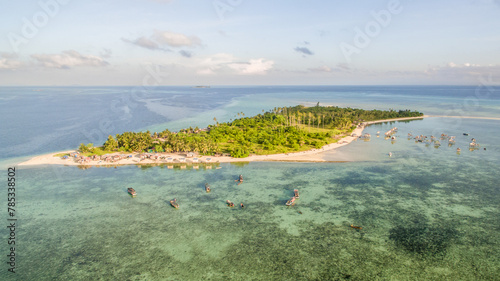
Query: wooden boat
[(291, 202), (229, 203), (131, 191), (356, 227), (296, 193), (207, 187), (174, 203)]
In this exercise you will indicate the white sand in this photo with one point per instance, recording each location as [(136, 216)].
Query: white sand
[(305, 156)]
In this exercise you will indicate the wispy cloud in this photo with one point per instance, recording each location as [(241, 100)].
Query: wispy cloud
[(463, 71), (253, 66), (304, 51), (344, 66), (228, 64), (174, 39), (144, 43), (339, 68), (68, 59), (9, 61), (164, 40), (322, 68)]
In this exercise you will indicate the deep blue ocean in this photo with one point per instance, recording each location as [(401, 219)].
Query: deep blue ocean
[(427, 213)]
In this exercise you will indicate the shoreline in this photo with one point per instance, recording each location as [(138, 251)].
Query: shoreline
[(180, 158)]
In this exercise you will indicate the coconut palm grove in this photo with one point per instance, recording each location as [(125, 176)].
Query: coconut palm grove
[(280, 130)]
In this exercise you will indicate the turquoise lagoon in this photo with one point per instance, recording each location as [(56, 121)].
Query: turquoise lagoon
[(426, 214)]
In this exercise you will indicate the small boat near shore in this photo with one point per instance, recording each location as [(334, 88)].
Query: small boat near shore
[(291, 202), (131, 191), (356, 227), (296, 193), (174, 203), (207, 187)]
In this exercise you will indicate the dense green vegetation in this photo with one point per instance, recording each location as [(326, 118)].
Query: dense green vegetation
[(280, 130)]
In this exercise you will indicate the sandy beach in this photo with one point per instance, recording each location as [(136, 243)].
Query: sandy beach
[(313, 155)]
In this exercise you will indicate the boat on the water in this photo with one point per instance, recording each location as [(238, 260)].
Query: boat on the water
[(356, 227), (229, 203), (174, 203), (207, 187), (296, 193), (131, 191), (291, 202)]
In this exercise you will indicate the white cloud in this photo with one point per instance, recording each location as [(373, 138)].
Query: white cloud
[(253, 66), (9, 61), (173, 39), (213, 64), (68, 59), (227, 64)]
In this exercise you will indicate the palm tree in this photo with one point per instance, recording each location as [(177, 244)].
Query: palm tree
[(309, 119)]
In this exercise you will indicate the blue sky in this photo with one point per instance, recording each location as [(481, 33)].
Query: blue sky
[(249, 42)]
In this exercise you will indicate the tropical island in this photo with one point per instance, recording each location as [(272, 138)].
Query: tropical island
[(280, 131)]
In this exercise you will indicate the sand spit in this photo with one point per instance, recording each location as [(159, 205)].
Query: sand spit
[(179, 158)]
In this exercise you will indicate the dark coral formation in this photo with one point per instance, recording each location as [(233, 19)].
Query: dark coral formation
[(423, 239)]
